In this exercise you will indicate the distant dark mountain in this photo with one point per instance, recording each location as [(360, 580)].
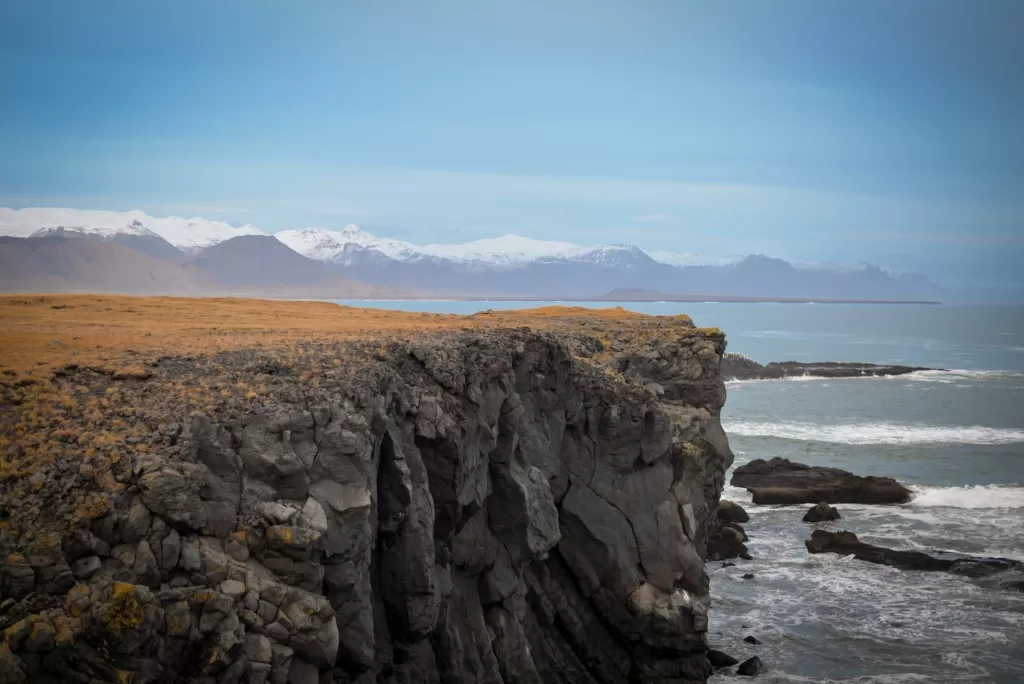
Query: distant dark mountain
[(133, 235), (55, 263), (249, 265), (755, 276), (508, 266), (513, 266), (261, 261)]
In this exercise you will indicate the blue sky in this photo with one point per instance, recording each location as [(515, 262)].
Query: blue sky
[(878, 131)]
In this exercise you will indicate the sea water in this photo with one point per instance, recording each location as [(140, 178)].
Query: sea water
[(956, 438)]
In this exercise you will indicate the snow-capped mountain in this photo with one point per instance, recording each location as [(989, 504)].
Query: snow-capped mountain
[(133, 227), (333, 245), (509, 265), (512, 265), (187, 234), (686, 259), (508, 251)]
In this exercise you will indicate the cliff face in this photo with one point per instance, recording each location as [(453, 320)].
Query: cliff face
[(491, 505)]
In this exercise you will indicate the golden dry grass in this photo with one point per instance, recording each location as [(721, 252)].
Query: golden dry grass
[(42, 332), (88, 381)]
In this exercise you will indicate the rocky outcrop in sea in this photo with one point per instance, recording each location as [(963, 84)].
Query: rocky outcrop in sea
[(739, 367), (1002, 573), (482, 506), (781, 481)]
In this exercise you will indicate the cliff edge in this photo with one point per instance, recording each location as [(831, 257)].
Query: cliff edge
[(239, 491)]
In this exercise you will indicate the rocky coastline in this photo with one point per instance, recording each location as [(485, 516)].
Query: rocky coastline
[(739, 367), (499, 498)]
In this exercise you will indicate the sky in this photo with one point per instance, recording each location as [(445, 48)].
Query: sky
[(812, 130)]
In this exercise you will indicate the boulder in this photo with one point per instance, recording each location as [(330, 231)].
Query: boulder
[(720, 660), (822, 512), (751, 667), (726, 543), (781, 481), (731, 512)]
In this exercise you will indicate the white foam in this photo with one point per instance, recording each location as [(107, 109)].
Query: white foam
[(976, 496), (877, 433), (954, 375)]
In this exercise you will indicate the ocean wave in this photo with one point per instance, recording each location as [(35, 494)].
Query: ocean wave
[(947, 377), (954, 375), (877, 433), (974, 496)]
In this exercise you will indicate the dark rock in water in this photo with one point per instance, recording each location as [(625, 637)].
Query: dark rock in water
[(781, 481), (738, 367), (1001, 572), (739, 530), (727, 542), (731, 512), (719, 660), (749, 576), (752, 640), (751, 667), (727, 564), (821, 513)]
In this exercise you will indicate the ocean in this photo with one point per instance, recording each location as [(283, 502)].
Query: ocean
[(956, 438)]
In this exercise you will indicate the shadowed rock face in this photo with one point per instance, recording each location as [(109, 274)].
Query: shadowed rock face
[(781, 481), (1000, 572), (477, 507)]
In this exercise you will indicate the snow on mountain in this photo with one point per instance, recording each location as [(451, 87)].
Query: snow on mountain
[(333, 245), (685, 259), (188, 234), (507, 251)]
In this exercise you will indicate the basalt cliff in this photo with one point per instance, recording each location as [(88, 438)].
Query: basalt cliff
[(230, 491)]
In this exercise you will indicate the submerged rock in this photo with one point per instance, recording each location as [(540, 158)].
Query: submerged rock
[(821, 513), (998, 571), (781, 481)]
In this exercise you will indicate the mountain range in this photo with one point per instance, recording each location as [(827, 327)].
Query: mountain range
[(84, 250)]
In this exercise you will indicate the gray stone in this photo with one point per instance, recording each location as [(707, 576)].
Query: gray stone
[(320, 647), (257, 648), (145, 567), (522, 511), (134, 523), (215, 562), (190, 560), (281, 663), (294, 542), (302, 672), (233, 589), (170, 550), (84, 568), (18, 577), (259, 673)]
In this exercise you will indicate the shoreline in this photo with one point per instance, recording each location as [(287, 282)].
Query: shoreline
[(700, 299)]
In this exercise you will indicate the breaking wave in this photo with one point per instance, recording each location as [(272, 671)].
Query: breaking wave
[(877, 433), (977, 496)]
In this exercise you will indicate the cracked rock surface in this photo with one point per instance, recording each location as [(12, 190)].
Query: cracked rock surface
[(500, 505)]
